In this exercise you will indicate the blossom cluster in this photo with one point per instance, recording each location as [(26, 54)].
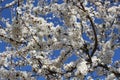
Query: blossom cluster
[(90, 30)]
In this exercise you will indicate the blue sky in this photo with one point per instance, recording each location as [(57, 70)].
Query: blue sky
[(6, 14)]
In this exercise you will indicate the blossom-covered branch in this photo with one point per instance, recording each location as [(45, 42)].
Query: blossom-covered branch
[(72, 39)]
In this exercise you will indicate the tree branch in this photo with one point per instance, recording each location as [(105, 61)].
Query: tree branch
[(117, 74), (95, 35), (93, 27), (8, 6), (10, 40)]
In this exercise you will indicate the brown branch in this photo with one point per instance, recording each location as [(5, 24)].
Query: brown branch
[(117, 74), (8, 6), (11, 40), (87, 53), (85, 46), (5, 7), (32, 35), (93, 27), (95, 35)]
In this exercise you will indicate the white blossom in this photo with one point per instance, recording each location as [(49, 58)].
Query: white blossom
[(68, 66), (69, 39), (19, 10), (2, 32), (95, 60), (112, 9), (82, 67), (111, 76)]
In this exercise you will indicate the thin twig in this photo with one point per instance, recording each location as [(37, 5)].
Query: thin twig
[(2, 8), (117, 74), (11, 40)]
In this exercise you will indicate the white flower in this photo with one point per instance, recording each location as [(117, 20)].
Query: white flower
[(8, 25), (9, 4), (25, 75), (67, 75), (89, 78), (73, 11), (95, 60), (24, 30), (39, 71), (107, 45), (40, 57), (82, 67), (98, 3), (53, 68), (35, 9), (79, 75), (54, 39), (73, 19), (118, 69), (44, 66), (111, 77), (2, 32), (69, 66), (112, 9), (19, 10)]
